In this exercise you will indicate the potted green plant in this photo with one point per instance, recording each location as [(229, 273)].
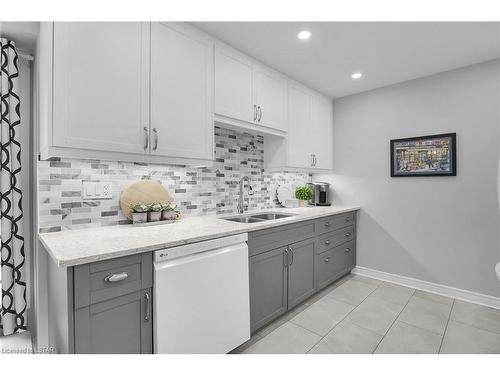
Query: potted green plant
[(169, 212), (154, 213), (304, 194), (139, 213)]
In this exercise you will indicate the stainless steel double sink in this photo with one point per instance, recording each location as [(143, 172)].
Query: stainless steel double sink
[(257, 218)]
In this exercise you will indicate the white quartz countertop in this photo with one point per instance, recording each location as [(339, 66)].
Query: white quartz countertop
[(74, 247)]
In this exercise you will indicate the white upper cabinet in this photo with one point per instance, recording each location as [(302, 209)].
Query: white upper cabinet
[(322, 131), (101, 85), (309, 141), (249, 95), (270, 99), (299, 137), (127, 91), (151, 92), (233, 86), (181, 91)]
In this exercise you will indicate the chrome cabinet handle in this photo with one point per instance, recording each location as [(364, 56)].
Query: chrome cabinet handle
[(146, 138), (146, 298), (315, 160), (327, 224), (348, 234), (312, 161), (347, 220), (260, 113), (327, 242), (115, 277), (155, 132), (347, 250), (254, 112), (285, 258), (327, 260), (291, 252)]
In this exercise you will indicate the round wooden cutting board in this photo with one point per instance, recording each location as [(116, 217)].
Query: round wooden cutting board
[(146, 192)]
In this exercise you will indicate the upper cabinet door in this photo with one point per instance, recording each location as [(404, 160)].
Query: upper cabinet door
[(233, 86), (101, 85), (181, 91), (300, 138), (322, 131), (270, 98)]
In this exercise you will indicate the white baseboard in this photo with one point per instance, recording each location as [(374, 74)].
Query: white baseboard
[(447, 291)]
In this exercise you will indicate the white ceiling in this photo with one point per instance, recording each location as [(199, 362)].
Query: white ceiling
[(385, 52)]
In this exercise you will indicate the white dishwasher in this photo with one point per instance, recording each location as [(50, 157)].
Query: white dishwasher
[(201, 297)]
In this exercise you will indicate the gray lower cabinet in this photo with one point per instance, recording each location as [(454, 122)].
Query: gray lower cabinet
[(300, 272), (268, 287), (121, 325), (334, 263), (279, 280), (102, 307), (289, 264)]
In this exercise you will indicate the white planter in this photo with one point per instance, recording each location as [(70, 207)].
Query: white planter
[(139, 217), (154, 216), (169, 215)]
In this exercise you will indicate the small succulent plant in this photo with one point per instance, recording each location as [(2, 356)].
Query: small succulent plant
[(139, 208), (165, 206), (155, 207)]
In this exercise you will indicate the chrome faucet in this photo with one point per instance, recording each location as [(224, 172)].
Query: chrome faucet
[(241, 208)]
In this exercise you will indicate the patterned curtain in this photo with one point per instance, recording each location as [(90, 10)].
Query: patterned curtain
[(13, 307)]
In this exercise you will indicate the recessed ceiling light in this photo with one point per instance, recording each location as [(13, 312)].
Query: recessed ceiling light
[(304, 35), (356, 75)]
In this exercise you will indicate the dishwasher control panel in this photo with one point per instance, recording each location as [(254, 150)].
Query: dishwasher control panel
[(198, 247)]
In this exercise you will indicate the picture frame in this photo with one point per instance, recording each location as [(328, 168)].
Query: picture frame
[(424, 156)]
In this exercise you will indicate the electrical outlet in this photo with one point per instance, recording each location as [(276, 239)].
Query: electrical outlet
[(96, 190)]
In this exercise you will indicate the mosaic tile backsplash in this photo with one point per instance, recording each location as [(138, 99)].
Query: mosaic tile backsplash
[(196, 191)]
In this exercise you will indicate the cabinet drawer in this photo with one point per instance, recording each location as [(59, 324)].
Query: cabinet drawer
[(100, 281), (334, 263), (334, 238), (334, 222), (268, 239)]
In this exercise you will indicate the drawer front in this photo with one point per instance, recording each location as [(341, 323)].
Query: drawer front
[(269, 239), (335, 238), (334, 263), (100, 281), (334, 222)]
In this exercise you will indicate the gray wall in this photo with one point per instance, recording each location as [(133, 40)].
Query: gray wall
[(438, 229)]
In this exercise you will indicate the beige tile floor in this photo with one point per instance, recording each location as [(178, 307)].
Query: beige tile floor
[(363, 315)]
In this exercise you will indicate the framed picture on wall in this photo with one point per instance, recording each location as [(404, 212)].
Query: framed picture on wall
[(430, 155)]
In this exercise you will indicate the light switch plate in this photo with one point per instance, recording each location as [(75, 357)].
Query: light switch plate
[(96, 190)]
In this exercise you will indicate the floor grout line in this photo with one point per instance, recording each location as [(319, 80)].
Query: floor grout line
[(350, 312), (298, 325), (446, 328), (395, 320), (476, 327)]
